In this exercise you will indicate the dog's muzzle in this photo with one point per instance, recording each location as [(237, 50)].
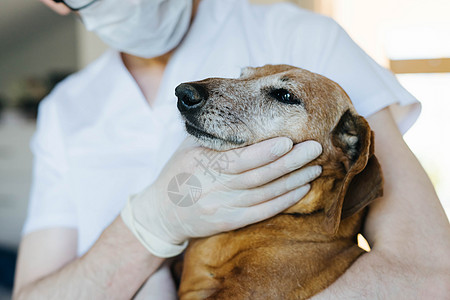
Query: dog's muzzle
[(191, 98)]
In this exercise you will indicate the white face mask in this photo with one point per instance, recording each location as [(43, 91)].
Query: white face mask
[(145, 28)]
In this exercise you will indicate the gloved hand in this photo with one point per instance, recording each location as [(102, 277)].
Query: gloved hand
[(201, 192)]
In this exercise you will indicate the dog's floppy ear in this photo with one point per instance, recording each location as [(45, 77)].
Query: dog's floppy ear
[(363, 181)]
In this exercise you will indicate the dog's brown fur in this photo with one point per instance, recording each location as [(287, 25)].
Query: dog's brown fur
[(301, 251)]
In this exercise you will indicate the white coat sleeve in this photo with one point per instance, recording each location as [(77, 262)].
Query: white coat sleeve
[(50, 203)]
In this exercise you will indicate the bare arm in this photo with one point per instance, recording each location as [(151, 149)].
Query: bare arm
[(408, 230), (114, 268)]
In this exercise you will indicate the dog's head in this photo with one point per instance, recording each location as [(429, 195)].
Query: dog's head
[(281, 100)]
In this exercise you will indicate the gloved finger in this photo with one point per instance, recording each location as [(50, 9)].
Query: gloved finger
[(276, 188), (272, 207), (299, 156), (242, 159)]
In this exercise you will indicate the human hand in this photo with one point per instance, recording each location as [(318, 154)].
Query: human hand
[(227, 190)]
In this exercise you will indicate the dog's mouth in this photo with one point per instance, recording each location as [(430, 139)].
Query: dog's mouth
[(206, 137), (199, 133)]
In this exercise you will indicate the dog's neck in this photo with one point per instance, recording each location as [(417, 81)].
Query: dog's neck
[(323, 188)]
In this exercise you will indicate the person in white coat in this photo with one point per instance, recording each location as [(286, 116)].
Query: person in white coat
[(112, 130)]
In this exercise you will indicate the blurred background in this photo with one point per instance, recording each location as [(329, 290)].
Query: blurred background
[(39, 48)]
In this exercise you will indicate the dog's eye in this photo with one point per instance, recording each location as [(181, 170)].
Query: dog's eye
[(284, 96)]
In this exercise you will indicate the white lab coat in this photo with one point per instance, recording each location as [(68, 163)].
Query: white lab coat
[(98, 140)]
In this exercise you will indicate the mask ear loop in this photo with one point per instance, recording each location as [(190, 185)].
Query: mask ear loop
[(73, 8)]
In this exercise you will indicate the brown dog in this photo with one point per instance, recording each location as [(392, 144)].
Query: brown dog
[(301, 251)]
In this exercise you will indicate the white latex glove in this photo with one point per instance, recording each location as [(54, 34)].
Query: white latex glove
[(219, 191)]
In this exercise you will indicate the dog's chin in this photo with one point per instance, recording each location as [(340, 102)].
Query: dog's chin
[(211, 141)]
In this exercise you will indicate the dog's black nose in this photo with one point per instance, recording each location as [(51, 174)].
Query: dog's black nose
[(191, 96)]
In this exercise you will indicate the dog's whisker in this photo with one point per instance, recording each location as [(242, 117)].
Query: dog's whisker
[(243, 123)]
